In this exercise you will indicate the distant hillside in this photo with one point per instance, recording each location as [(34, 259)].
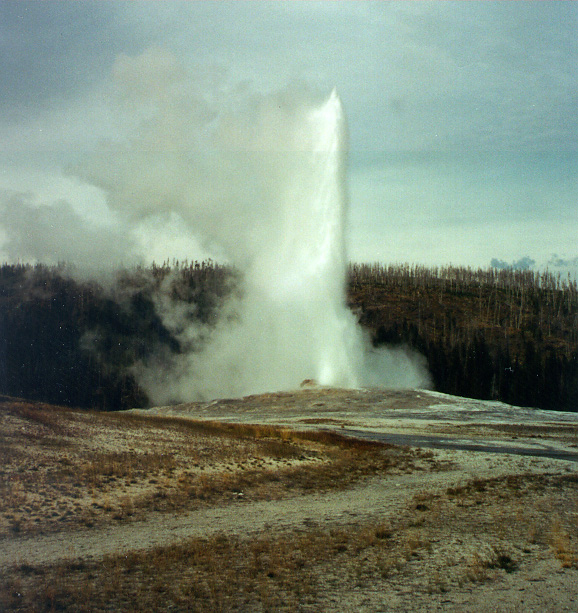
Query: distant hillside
[(489, 334), (492, 334)]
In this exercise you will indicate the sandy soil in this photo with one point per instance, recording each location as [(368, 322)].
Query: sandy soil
[(489, 527)]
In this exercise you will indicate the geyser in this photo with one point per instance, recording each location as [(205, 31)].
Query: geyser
[(257, 180), (296, 283), (292, 323)]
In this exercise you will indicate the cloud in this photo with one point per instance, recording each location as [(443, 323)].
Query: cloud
[(564, 265), (431, 76), (560, 262), (557, 264), (524, 263)]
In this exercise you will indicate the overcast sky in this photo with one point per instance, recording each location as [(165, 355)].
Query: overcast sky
[(462, 118)]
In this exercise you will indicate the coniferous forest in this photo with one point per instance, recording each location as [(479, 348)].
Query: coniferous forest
[(492, 334), (509, 335)]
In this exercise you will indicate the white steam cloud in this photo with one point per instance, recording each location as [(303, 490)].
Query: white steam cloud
[(258, 180), (55, 232)]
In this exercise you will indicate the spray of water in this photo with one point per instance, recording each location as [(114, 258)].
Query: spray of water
[(292, 322)]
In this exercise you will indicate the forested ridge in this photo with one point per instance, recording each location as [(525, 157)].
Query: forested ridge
[(492, 334), (76, 342), (509, 335)]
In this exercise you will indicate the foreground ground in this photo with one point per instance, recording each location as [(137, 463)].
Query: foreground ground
[(265, 503)]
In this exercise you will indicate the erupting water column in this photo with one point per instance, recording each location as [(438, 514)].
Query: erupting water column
[(299, 281), (260, 184)]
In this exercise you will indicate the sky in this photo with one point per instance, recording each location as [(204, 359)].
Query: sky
[(462, 123)]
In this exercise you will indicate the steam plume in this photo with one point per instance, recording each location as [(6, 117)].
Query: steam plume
[(292, 322), (258, 181)]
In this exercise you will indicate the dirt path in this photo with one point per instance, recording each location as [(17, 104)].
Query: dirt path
[(381, 497)]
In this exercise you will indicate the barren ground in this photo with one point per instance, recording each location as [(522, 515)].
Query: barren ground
[(256, 504)]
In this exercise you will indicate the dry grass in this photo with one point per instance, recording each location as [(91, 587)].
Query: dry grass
[(432, 547), (273, 573), (61, 468), (563, 541)]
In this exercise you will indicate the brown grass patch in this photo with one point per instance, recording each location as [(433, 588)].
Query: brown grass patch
[(437, 549), (434, 546), (221, 573), (62, 468)]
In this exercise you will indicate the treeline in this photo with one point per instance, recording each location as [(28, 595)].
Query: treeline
[(509, 335), (492, 334), (76, 343)]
